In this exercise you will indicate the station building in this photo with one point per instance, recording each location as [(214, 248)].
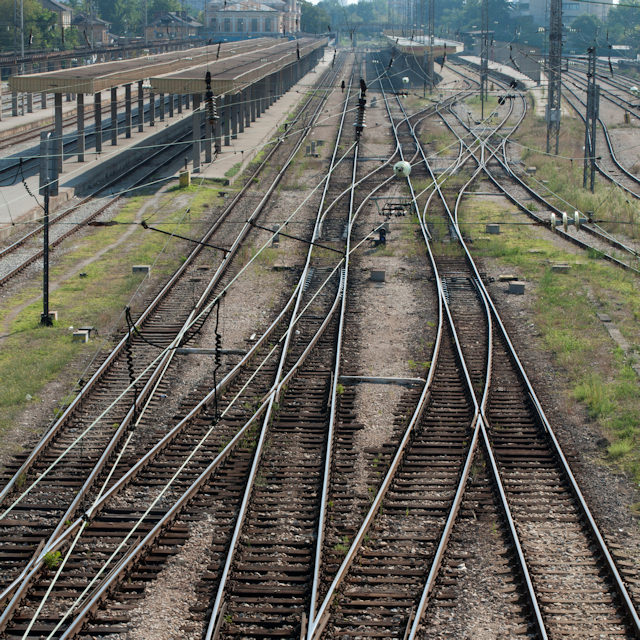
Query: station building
[(251, 18)]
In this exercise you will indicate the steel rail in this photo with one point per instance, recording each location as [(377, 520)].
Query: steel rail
[(606, 93), (430, 109), (120, 431), (333, 399), (597, 232), (95, 598), (230, 556), (211, 285), (480, 427), (48, 436), (333, 402), (593, 228), (105, 585), (318, 621), (595, 531), (100, 503), (616, 163), (80, 522), (89, 218), (512, 175), (53, 543), (20, 241), (68, 121)]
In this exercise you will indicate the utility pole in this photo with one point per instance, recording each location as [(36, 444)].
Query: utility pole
[(48, 187), (431, 41), (484, 54), (22, 47), (554, 71), (591, 121)]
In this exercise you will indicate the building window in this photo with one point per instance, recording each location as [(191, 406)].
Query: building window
[(267, 25), (254, 25), (214, 24), (227, 25), (240, 25)]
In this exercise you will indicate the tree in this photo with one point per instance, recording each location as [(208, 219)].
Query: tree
[(623, 24), (40, 28), (313, 19), (583, 32), (127, 16)]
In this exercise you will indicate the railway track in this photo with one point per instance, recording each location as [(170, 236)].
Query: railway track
[(613, 170), (166, 319), (534, 475), (23, 252), (268, 454), (377, 581), (68, 121), (506, 180)]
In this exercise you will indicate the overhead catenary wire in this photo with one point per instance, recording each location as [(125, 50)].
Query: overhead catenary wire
[(212, 428), (165, 246), (206, 309), (256, 148), (151, 183)]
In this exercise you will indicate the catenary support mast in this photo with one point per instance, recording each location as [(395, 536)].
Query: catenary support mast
[(554, 71)]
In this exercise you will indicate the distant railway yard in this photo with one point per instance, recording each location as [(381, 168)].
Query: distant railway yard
[(321, 350)]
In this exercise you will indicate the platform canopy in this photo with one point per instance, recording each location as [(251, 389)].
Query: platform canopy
[(418, 45), (234, 73), (105, 75)]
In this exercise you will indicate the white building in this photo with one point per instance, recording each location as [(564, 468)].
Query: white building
[(250, 18)]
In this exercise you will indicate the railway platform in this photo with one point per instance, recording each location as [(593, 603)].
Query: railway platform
[(243, 89), (249, 143), (501, 69)]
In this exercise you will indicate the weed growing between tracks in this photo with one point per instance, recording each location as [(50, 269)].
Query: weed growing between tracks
[(599, 374), (437, 137), (564, 177), (33, 356), (475, 104)]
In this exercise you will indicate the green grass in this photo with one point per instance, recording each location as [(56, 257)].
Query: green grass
[(564, 177), (437, 138), (33, 355), (229, 173), (52, 559), (267, 257), (490, 104), (597, 372)]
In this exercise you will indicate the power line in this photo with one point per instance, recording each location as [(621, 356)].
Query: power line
[(620, 4)]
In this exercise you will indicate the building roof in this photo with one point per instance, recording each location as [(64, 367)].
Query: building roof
[(53, 5), (234, 73), (84, 20), (174, 18), (104, 75), (246, 5)]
